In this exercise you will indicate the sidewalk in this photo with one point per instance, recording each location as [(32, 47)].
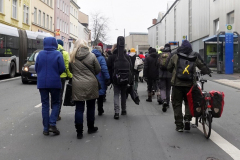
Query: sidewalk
[(231, 80)]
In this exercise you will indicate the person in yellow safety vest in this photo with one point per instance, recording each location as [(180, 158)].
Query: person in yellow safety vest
[(8, 51), (159, 52), (66, 74)]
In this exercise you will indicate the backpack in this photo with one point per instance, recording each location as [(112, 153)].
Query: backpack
[(122, 71), (138, 64), (164, 59), (217, 103), (186, 66)]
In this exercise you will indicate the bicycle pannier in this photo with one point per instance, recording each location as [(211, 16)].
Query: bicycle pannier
[(195, 101), (217, 103)]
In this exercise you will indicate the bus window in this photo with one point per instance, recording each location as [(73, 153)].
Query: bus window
[(39, 44), (12, 46), (2, 45), (30, 47)]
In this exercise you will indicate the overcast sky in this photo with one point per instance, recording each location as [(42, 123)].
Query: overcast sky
[(133, 15)]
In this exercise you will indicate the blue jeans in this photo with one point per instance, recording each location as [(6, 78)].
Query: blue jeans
[(80, 107), (49, 120)]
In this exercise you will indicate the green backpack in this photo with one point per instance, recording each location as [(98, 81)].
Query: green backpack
[(163, 60)]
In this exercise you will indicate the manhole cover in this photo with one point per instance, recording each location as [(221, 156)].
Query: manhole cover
[(212, 158)]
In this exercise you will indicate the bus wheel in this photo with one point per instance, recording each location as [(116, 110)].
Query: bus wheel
[(12, 70)]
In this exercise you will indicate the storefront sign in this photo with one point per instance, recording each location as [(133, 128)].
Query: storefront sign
[(57, 33)]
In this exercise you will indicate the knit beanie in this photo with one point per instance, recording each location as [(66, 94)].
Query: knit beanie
[(133, 50), (101, 45), (185, 43), (167, 45), (59, 41)]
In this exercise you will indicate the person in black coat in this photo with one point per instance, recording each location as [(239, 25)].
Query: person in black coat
[(151, 71)]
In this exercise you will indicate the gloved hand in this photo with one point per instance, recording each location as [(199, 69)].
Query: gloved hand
[(108, 82), (70, 81)]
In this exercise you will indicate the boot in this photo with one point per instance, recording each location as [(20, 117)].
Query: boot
[(54, 130), (79, 129), (159, 99), (164, 109), (149, 97), (91, 128)]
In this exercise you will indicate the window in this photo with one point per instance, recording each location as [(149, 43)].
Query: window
[(230, 18), (1, 6), (58, 3), (63, 7), (67, 28), (35, 15), (39, 17), (47, 21), (216, 26), (60, 25), (47, 2), (63, 27), (44, 19), (57, 23), (50, 23), (25, 14), (14, 9)]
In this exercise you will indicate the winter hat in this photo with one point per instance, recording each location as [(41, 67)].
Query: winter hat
[(133, 50), (149, 49), (101, 45), (59, 41), (153, 50), (167, 45), (185, 43)]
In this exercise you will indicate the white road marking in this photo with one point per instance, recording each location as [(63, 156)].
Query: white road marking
[(10, 79), (229, 148), (39, 105)]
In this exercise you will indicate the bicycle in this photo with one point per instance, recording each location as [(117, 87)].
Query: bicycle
[(206, 117)]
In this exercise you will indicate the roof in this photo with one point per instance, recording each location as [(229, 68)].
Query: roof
[(214, 38), (137, 33), (75, 4), (7, 30)]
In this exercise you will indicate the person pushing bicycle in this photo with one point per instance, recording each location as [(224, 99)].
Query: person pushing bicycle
[(183, 65)]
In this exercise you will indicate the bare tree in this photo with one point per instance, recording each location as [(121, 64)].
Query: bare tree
[(99, 28)]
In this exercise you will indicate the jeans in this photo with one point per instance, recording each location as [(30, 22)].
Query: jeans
[(117, 91), (165, 88), (80, 107), (49, 120), (61, 94), (100, 103)]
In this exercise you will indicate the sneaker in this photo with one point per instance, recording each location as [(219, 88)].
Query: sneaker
[(187, 126), (124, 113), (164, 109), (46, 133), (179, 129), (54, 130), (116, 116)]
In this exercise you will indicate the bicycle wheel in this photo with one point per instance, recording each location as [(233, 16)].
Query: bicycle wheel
[(207, 123)]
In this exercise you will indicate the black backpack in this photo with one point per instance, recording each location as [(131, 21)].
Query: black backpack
[(186, 66), (122, 71)]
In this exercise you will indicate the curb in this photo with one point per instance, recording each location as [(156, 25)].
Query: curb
[(225, 84)]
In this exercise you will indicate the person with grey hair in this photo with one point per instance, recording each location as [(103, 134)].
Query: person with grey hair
[(103, 78)]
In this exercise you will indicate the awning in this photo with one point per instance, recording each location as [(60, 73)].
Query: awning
[(214, 38)]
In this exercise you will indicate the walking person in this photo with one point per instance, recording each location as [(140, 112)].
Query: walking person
[(84, 67), (119, 89), (151, 71), (49, 66), (103, 78), (135, 74), (183, 65), (165, 76), (66, 74)]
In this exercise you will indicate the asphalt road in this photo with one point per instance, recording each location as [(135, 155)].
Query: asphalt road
[(146, 133)]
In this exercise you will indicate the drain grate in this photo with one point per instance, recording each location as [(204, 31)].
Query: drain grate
[(212, 158)]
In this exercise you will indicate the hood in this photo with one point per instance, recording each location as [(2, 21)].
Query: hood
[(132, 54), (82, 53), (96, 52), (50, 44), (185, 50), (60, 47), (154, 55), (115, 51)]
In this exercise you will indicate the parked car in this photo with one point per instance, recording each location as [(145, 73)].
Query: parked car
[(28, 69)]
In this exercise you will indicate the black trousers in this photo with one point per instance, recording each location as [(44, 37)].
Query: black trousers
[(63, 80), (152, 85), (100, 103)]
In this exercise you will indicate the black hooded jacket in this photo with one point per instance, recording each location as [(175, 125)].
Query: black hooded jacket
[(151, 67)]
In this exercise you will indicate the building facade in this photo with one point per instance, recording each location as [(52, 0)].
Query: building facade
[(196, 20), (42, 16), (73, 23), (136, 40), (83, 31), (62, 21), (16, 13)]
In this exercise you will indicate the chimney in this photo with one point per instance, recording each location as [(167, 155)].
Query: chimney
[(154, 21)]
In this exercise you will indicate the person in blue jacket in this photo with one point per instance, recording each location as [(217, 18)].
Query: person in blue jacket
[(49, 66), (103, 77)]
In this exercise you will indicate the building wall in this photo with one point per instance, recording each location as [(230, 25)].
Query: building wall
[(48, 9), (62, 21), (6, 16), (83, 18), (132, 41)]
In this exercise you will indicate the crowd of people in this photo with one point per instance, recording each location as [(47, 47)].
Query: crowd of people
[(90, 72)]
